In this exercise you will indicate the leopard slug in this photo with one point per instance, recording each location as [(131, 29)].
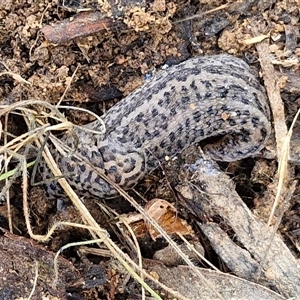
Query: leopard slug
[(203, 97)]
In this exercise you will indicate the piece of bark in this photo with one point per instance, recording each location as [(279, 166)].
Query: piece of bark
[(292, 84), (18, 258), (169, 257), (80, 25), (294, 154), (291, 37), (89, 22), (272, 87), (187, 283), (208, 191)]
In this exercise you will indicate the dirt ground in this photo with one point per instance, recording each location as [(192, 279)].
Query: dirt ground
[(90, 54)]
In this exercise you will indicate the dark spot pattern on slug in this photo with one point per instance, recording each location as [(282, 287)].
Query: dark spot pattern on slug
[(213, 96)]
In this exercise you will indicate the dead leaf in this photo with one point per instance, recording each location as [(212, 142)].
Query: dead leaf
[(165, 214)]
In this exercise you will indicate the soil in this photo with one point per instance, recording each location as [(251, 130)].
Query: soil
[(90, 54)]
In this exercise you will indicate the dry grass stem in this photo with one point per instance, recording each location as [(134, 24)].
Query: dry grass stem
[(283, 168), (35, 280)]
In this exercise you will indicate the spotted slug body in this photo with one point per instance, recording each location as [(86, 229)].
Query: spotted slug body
[(203, 97)]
